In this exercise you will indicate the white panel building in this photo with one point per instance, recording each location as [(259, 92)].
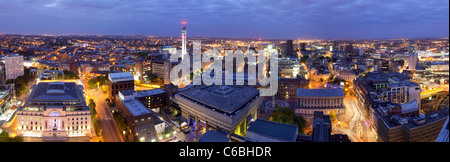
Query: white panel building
[(13, 66)]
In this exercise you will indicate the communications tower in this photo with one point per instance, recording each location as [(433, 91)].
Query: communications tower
[(183, 39)]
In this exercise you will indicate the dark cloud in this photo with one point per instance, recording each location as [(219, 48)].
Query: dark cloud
[(288, 19)]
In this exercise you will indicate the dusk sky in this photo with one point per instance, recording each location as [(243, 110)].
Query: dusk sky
[(284, 19)]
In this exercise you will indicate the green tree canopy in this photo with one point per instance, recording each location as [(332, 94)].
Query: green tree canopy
[(70, 75), (4, 137), (286, 116), (97, 81)]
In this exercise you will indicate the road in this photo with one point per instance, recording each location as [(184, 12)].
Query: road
[(107, 123), (359, 129), (429, 93)]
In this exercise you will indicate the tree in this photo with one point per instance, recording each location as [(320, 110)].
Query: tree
[(303, 59), (97, 81), (92, 107), (108, 102), (21, 82), (286, 116), (152, 77), (332, 116), (70, 75), (60, 76), (104, 88), (4, 137), (17, 139)]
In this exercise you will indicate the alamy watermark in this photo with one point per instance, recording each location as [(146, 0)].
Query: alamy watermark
[(256, 62)]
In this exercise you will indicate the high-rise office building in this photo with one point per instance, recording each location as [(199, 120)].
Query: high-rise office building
[(2, 75), (349, 50), (413, 56), (13, 66), (289, 52)]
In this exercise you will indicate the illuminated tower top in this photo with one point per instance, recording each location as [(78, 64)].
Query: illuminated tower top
[(183, 24)]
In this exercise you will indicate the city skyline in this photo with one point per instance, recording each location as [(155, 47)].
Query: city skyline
[(224, 71), (231, 19)]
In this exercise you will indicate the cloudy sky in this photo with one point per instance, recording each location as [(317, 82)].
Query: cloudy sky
[(283, 19)]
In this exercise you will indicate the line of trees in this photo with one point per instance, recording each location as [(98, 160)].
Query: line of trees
[(94, 118), (122, 127), (21, 82)]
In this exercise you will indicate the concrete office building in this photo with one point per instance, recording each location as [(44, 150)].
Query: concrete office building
[(321, 127), (404, 123), (443, 135), (226, 108), (154, 99), (137, 117), (375, 88)]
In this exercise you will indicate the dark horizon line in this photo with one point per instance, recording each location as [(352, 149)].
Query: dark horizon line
[(246, 38)]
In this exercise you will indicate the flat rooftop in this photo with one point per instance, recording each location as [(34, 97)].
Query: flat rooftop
[(330, 92), (120, 77), (150, 92), (136, 108), (214, 136), (285, 132), (225, 98), (428, 119)]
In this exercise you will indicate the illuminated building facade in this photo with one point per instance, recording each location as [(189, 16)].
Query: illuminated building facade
[(324, 100), (54, 111)]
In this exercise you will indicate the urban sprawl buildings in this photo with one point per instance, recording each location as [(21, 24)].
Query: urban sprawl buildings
[(58, 88)]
